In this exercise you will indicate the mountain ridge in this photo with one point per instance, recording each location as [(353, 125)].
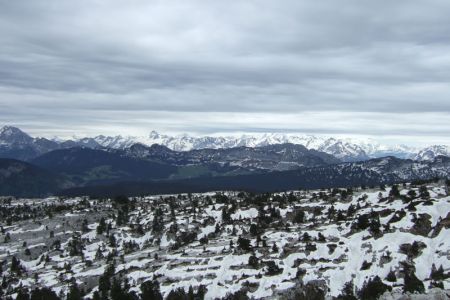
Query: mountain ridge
[(14, 143), (378, 171), (22, 179)]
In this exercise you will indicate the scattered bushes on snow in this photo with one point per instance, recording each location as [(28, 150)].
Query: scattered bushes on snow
[(273, 269), (373, 289), (366, 265)]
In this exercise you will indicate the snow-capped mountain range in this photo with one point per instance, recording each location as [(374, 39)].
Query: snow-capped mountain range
[(344, 149), (12, 138)]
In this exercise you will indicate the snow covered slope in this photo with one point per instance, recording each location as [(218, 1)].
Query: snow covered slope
[(313, 244), (431, 152)]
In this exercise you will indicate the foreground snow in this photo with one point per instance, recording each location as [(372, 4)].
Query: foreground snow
[(334, 254)]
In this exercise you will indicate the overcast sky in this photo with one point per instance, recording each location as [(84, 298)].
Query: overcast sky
[(375, 68)]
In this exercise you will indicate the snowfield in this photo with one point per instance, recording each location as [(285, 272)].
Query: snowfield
[(228, 245)]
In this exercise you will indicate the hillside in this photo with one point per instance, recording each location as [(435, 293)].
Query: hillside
[(272, 157), (89, 166), (391, 243), (368, 173), (21, 179)]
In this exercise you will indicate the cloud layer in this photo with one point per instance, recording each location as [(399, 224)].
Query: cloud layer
[(379, 68)]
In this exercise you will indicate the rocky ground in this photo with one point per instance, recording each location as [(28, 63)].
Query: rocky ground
[(363, 243)]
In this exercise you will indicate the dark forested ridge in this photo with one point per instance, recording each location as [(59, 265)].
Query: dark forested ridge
[(89, 166), (150, 170), (373, 172), (18, 178)]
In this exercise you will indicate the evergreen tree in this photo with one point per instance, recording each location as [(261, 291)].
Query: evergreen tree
[(239, 295), (412, 283), (104, 282), (7, 238), (351, 210), (101, 226), (226, 216), (44, 294), (22, 294), (273, 269), (15, 266), (190, 295), (373, 289), (75, 246), (394, 192), (96, 296), (117, 293), (391, 276), (74, 292), (84, 226), (150, 290), (178, 294), (362, 222), (423, 192), (437, 274), (347, 292), (375, 225), (306, 237), (253, 261), (112, 240), (244, 244), (255, 230), (275, 247), (299, 217), (321, 237)]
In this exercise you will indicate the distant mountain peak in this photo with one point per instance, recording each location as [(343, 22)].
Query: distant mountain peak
[(10, 130), (153, 134), (433, 151), (13, 135)]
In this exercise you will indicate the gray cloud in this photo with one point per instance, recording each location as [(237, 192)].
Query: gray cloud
[(349, 67)]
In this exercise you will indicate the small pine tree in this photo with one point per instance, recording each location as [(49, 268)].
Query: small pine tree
[(117, 292), (244, 244), (299, 217), (15, 266), (253, 261), (190, 295), (74, 293), (347, 292), (273, 269), (101, 226), (394, 192), (44, 293), (150, 291), (391, 276), (275, 247), (306, 237), (413, 284), (178, 294), (373, 289), (437, 274), (22, 294), (84, 226), (7, 238), (96, 296)]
